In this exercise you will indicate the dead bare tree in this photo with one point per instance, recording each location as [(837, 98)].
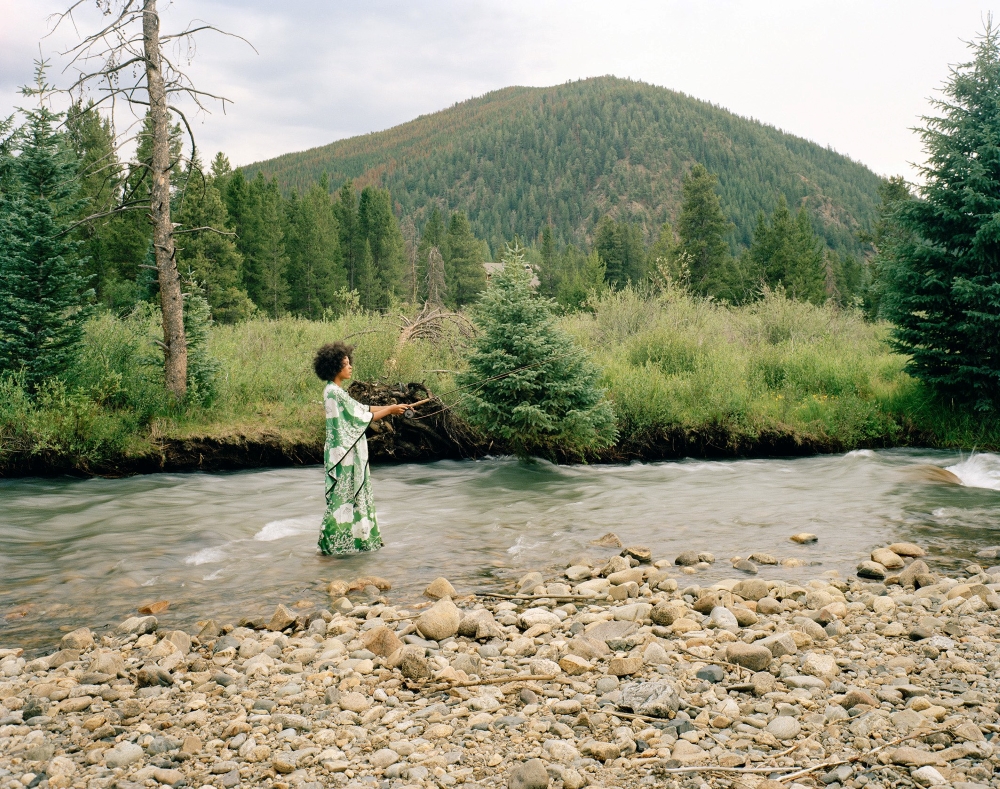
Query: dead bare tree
[(126, 62), (436, 287)]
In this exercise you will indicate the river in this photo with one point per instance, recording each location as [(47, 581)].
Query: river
[(225, 546)]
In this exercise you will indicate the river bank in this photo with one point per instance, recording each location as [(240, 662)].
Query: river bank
[(686, 377), (621, 670)]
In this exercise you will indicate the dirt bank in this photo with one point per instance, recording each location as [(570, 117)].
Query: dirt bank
[(437, 434)]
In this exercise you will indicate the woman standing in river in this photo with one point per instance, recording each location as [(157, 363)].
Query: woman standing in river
[(349, 525)]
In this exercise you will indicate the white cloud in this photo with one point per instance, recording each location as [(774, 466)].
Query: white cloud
[(851, 74)]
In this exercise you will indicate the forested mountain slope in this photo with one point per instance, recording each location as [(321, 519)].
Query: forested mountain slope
[(518, 158)]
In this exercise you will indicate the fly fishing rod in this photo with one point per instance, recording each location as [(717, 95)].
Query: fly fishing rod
[(411, 414)]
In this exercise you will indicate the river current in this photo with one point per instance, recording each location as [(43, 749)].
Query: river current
[(90, 552)]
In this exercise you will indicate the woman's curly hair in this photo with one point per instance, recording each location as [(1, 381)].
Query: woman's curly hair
[(330, 358)]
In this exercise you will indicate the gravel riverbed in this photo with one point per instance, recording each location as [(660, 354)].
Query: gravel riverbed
[(623, 671)]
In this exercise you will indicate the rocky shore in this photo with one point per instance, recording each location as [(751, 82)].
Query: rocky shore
[(623, 671)]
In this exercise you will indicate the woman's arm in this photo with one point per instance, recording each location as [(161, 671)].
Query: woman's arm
[(382, 411)]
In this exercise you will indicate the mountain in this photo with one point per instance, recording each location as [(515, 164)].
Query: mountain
[(517, 158)]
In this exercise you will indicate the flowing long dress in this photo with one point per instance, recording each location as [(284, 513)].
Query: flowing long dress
[(349, 525)]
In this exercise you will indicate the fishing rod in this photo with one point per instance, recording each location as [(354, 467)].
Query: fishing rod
[(411, 414)]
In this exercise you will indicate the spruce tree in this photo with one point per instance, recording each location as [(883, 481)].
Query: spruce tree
[(528, 384), (946, 285), (885, 240), (463, 266), (315, 267), (702, 228), (785, 253), (44, 292), (619, 245), (207, 259), (379, 229)]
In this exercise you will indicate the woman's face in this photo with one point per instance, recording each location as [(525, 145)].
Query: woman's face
[(347, 369)]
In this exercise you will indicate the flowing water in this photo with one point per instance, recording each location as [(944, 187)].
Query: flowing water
[(226, 546)]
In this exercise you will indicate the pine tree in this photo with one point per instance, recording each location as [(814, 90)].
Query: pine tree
[(548, 274), (463, 265), (379, 229), (946, 284), (529, 385), (99, 177), (702, 229), (44, 293), (351, 241), (313, 245), (786, 253), (885, 240), (620, 246), (207, 258)]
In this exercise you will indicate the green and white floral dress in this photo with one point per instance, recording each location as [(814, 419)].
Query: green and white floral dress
[(349, 525)]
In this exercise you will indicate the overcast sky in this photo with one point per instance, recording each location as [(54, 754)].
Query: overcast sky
[(851, 74)]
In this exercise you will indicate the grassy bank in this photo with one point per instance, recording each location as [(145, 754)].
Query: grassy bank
[(686, 376)]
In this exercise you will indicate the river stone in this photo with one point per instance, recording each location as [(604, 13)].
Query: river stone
[(744, 616), (595, 587), (820, 665), (80, 639), (168, 776), (762, 682), (281, 619), (751, 656), (907, 549), (872, 570), (762, 558), (634, 612), (928, 776), (658, 699), (784, 727), (624, 666), (587, 647), (751, 589), (602, 751), (383, 757), (640, 553), (412, 663), (578, 572), (804, 538), (609, 540), (634, 574), (137, 625), (665, 613), (724, 619), (655, 655), (529, 775), (888, 559), (883, 604), (440, 621), (381, 640), (536, 616), (909, 575), (779, 644), (438, 588), (616, 564), (768, 606), (911, 756), (687, 559), (122, 755), (574, 664), (745, 566)]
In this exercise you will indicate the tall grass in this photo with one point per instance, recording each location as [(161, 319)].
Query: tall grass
[(670, 362)]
